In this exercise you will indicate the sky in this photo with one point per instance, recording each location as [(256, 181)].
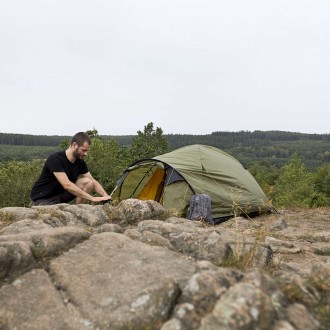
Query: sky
[(187, 66)]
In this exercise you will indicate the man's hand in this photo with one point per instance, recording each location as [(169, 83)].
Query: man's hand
[(106, 198)]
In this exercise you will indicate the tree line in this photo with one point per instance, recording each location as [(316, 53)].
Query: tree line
[(30, 140), (276, 147)]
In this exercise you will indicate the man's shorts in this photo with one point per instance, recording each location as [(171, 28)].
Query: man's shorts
[(65, 197)]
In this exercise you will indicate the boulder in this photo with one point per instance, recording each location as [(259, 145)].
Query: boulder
[(136, 210), (242, 306), (32, 302), (118, 282)]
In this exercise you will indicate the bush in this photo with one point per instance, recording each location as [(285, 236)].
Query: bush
[(295, 187), (107, 161), (16, 181)]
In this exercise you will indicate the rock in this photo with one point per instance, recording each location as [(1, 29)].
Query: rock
[(262, 256), (113, 213), (280, 224), (90, 267), (136, 210), (53, 221), (242, 306), (122, 283), (187, 238), (32, 302), (283, 325), (18, 253), (84, 215), (300, 318), (16, 257), (13, 214), (89, 215), (173, 324), (149, 237), (200, 295), (50, 242), (268, 286), (281, 246), (255, 254), (24, 226), (238, 223), (56, 216), (109, 227), (296, 268), (324, 235), (320, 277), (297, 289), (178, 221)]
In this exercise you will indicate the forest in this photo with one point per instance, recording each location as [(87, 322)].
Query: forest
[(293, 169), (275, 147)]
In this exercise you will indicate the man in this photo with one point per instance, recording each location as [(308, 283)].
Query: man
[(65, 177)]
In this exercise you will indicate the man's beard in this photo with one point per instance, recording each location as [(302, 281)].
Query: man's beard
[(76, 154)]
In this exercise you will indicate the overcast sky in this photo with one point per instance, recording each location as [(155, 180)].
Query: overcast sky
[(188, 66)]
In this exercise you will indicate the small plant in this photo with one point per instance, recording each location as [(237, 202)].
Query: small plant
[(323, 251), (171, 213), (5, 219), (312, 239), (246, 255), (323, 313), (308, 238)]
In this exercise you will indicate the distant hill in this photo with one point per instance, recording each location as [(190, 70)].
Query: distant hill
[(275, 147)]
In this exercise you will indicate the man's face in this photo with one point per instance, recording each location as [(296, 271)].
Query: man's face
[(80, 152)]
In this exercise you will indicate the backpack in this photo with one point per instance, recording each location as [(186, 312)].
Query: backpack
[(200, 208)]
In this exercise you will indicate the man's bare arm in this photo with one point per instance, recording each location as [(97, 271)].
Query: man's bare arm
[(97, 186), (75, 190)]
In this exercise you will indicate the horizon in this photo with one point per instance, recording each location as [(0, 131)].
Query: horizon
[(241, 131)]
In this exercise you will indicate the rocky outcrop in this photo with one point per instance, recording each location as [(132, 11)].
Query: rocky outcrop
[(133, 266)]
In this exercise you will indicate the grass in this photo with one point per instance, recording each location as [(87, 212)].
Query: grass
[(313, 239), (323, 315), (322, 251), (5, 219), (246, 255)]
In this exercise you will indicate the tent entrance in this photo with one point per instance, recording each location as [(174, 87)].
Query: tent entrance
[(154, 187)]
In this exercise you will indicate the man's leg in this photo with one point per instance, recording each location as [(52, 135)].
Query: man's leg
[(84, 184), (47, 201)]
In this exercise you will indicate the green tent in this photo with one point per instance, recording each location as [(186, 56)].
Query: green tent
[(173, 178)]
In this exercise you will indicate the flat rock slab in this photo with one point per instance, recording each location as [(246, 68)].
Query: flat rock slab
[(115, 282), (32, 302)]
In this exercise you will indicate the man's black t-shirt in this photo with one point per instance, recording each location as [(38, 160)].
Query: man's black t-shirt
[(47, 185)]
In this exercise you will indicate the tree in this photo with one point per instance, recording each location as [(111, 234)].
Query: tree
[(107, 161), (265, 174), (64, 144), (322, 179), (149, 143), (295, 186), (93, 133)]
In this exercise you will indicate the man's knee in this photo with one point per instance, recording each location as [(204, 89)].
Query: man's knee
[(85, 184)]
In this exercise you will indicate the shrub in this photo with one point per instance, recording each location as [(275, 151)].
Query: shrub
[(107, 161), (295, 187), (16, 181)]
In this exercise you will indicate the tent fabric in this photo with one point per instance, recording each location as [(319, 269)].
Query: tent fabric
[(195, 169)]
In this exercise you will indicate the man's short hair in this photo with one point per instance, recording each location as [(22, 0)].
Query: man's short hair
[(80, 138)]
